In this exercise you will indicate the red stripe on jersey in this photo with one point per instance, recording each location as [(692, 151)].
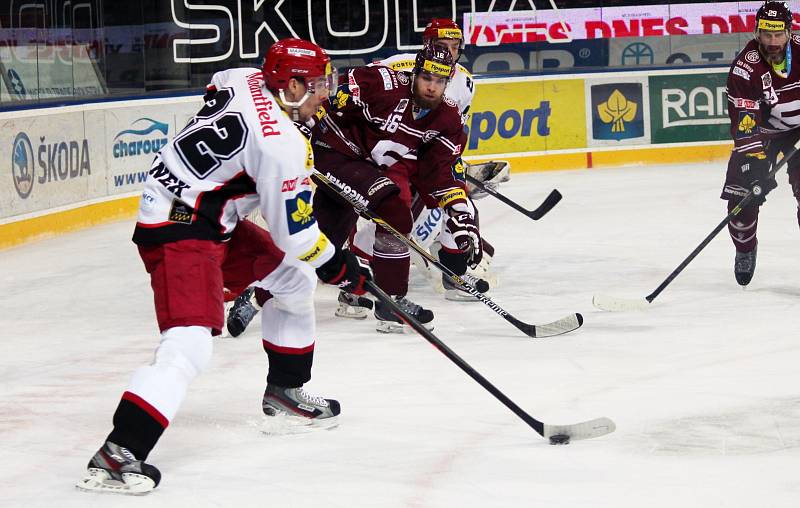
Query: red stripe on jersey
[(146, 407), (287, 350), (360, 253), (156, 225)]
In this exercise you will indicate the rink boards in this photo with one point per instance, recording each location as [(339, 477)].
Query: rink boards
[(75, 166)]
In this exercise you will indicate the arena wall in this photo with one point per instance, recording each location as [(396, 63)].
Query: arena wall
[(76, 166), (600, 119)]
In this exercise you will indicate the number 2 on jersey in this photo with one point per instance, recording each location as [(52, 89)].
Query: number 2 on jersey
[(202, 148)]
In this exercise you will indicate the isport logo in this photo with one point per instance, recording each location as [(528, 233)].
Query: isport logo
[(140, 138), (509, 124)]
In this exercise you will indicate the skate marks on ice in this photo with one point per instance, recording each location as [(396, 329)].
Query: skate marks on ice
[(278, 425), (749, 430)]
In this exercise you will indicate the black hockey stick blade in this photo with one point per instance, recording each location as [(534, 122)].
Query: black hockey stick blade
[(584, 430), (549, 202)]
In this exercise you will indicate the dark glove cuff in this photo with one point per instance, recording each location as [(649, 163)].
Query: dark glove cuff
[(333, 269)]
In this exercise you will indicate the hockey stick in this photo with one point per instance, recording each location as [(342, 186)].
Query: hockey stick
[(584, 430), (549, 202), (611, 303), (563, 325)]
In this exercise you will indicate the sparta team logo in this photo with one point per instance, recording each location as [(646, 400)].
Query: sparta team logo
[(402, 77), (428, 136), (766, 80), (299, 213), (752, 56), (22, 168)]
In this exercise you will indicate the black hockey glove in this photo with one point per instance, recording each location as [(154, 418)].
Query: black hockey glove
[(465, 233), (345, 271), (755, 172)]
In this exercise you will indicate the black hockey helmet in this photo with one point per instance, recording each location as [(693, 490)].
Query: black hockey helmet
[(435, 60), (774, 16)]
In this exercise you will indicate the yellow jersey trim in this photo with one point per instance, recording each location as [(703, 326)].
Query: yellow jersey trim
[(315, 251)]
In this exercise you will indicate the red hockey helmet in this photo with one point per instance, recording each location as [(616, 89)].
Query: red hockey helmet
[(300, 59), (444, 28)]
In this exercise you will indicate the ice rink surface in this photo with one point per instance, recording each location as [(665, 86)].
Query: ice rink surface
[(704, 386)]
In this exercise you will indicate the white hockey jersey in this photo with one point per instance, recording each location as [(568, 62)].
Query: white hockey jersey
[(238, 152), (460, 89)]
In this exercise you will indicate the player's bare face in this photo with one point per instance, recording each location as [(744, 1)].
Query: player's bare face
[(451, 45), (429, 90), (773, 44)]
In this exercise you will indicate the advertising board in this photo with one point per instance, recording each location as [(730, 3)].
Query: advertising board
[(134, 135), (49, 163), (617, 111), (689, 107), (498, 27), (525, 116)]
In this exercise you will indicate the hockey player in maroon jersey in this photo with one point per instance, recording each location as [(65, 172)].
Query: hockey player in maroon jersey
[(764, 108), (384, 132), (429, 230), (240, 150)]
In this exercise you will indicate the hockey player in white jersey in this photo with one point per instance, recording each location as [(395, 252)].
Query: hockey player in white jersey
[(240, 150)]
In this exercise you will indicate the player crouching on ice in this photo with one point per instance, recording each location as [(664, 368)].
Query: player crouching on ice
[(384, 134), (763, 98), (430, 223), (239, 146)]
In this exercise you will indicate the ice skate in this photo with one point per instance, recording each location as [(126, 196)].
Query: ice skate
[(388, 322), (745, 266), (242, 312), (456, 293), (353, 306), (114, 469), (291, 409)]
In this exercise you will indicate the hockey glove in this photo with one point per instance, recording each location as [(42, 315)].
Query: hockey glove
[(464, 230), (755, 172), (345, 271)]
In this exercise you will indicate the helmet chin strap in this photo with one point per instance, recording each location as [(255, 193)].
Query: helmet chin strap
[(294, 105)]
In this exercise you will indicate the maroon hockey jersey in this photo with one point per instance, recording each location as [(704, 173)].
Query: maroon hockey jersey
[(761, 102), (373, 117)]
